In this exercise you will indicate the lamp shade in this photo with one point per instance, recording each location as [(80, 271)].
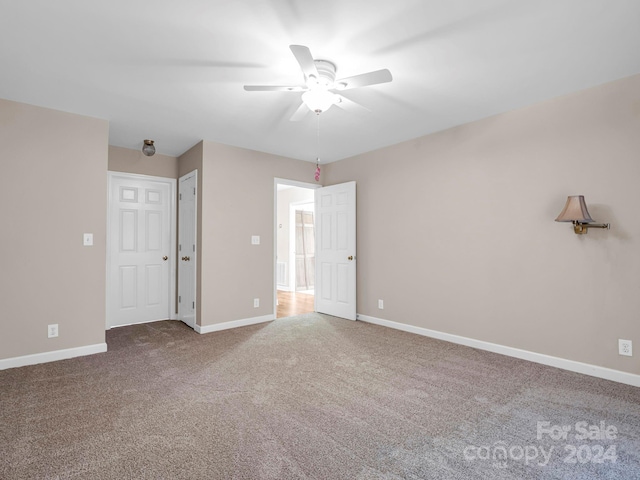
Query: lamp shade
[(319, 100), (575, 210)]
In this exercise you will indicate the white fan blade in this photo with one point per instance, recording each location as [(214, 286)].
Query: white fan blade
[(364, 79), (273, 88), (305, 59), (300, 113), (350, 105)]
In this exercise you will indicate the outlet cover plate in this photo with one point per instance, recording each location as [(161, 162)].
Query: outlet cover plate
[(625, 347), (256, 302), (381, 304)]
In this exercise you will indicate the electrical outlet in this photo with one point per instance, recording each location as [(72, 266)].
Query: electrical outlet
[(52, 330), (256, 302), (625, 347), (381, 304)]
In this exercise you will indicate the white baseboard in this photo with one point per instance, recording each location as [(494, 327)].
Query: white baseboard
[(52, 356), (571, 365), (233, 324)]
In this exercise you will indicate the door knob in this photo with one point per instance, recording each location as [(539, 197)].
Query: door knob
[(165, 258), (350, 257)]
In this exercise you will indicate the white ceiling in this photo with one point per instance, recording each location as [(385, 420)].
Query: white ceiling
[(173, 71)]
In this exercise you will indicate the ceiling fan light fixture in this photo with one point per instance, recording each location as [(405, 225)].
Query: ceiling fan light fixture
[(312, 82), (324, 82), (320, 85), (319, 100), (326, 73)]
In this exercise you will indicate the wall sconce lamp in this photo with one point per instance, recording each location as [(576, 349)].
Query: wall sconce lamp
[(575, 211), (148, 148)]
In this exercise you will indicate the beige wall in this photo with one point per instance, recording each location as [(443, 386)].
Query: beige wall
[(456, 230), (236, 193), (52, 191), (134, 161)]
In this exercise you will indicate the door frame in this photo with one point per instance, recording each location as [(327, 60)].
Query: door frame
[(294, 183), (172, 233)]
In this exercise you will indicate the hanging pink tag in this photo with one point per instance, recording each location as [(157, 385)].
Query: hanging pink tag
[(317, 177)]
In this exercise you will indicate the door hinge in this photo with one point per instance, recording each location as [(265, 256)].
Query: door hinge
[(179, 299), (194, 190), (194, 248), (193, 304), (180, 196), (179, 248)]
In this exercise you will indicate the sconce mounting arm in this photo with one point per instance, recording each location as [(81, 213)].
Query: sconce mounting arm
[(581, 228)]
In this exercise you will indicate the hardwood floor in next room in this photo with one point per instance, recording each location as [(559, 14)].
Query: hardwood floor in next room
[(294, 303)]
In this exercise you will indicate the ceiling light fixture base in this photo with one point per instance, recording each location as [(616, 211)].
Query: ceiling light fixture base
[(148, 148), (326, 73)]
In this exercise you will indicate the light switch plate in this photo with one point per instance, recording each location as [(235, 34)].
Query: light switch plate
[(87, 239), (52, 330), (255, 240)]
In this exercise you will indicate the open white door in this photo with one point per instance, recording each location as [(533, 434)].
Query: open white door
[(336, 250), (187, 248)]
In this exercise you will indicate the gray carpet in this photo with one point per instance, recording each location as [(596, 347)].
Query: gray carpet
[(310, 397)]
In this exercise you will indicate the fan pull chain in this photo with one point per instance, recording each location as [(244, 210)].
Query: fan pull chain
[(317, 175)]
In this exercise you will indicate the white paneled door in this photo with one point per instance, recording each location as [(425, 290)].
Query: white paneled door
[(187, 195), (139, 287), (336, 250)]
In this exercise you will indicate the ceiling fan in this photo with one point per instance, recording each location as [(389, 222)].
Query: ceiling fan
[(321, 87)]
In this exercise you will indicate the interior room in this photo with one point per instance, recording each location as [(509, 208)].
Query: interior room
[(295, 250), (450, 189)]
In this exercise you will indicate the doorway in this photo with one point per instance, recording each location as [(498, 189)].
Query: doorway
[(294, 248)]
